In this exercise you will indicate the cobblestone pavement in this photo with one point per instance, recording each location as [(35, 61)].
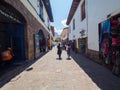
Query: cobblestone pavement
[(50, 73)]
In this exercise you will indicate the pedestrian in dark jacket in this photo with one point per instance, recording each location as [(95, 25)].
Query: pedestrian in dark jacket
[(59, 50)]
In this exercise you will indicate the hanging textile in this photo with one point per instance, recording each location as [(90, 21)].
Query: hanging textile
[(105, 29)]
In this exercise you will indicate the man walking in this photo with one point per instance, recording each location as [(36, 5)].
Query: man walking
[(59, 51)]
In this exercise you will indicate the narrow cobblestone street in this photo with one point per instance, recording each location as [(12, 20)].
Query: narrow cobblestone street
[(49, 73)]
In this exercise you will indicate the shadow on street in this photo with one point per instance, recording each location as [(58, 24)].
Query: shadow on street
[(99, 74), (10, 72)]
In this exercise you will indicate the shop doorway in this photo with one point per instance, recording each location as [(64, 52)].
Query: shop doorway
[(13, 37), (39, 43), (12, 31), (42, 41), (109, 43)]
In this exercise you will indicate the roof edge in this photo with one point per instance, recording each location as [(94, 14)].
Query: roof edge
[(48, 9), (73, 8)]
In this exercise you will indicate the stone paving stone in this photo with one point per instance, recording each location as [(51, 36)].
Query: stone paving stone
[(78, 73)]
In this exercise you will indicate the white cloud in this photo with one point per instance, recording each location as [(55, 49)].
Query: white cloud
[(58, 31), (64, 22)]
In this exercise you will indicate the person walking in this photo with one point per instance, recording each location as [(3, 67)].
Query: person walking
[(59, 50), (68, 48)]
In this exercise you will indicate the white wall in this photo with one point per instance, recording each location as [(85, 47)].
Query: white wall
[(97, 12), (46, 18), (79, 25), (35, 5)]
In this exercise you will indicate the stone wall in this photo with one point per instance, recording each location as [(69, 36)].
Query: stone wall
[(32, 26), (93, 55)]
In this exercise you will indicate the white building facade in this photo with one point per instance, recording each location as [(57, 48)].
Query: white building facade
[(34, 7), (41, 10), (77, 22), (96, 11)]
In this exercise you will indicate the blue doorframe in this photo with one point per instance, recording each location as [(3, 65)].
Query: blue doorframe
[(39, 45), (15, 39)]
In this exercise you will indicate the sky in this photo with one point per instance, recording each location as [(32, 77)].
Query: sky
[(60, 10)]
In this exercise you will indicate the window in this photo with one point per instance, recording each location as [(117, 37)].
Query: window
[(83, 14), (41, 11), (38, 5), (73, 36), (73, 24)]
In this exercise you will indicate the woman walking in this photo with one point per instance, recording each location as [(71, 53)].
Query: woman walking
[(68, 48)]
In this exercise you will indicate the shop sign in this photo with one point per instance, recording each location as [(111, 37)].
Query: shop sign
[(9, 16), (82, 32)]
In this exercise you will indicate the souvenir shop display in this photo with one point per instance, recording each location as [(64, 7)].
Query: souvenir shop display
[(109, 43), (115, 45)]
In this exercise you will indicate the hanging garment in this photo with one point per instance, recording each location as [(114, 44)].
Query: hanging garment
[(107, 59), (116, 41), (105, 48), (105, 29), (6, 55), (114, 23)]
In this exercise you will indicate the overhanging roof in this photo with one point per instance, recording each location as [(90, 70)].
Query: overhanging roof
[(48, 9), (73, 8)]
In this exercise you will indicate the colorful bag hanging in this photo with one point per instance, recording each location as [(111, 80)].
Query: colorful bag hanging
[(114, 42), (114, 23), (118, 41)]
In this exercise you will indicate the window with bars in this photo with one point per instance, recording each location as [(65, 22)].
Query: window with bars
[(41, 11)]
